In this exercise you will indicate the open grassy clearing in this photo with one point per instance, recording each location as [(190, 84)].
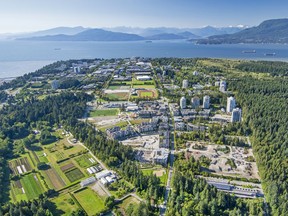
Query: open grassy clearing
[(128, 201), (106, 112), (65, 205), (121, 124), (90, 201), (161, 173), (139, 121)]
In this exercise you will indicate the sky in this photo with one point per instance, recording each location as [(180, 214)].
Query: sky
[(32, 15)]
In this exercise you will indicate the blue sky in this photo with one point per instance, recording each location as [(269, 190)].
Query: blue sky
[(30, 15)]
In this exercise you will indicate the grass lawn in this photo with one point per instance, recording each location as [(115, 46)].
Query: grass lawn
[(120, 83), (137, 82), (106, 112), (84, 161), (147, 171), (90, 201), (144, 86), (32, 186), (64, 204), (37, 85), (138, 121), (74, 175), (121, 124), (114, 87)]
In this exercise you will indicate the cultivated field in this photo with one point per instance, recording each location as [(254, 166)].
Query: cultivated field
[(27, 188), (20, 166), (90, 201), (85, 160), (67, 167), (53, 179), (74, 174)]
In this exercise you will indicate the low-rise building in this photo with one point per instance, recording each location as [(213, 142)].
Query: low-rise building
[(160, 156), (87, 181), (180, 126), (143, 78)]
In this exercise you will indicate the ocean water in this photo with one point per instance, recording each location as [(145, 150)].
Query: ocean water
[(20, 57)]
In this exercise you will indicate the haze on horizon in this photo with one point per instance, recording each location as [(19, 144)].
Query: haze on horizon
[(34, 15)]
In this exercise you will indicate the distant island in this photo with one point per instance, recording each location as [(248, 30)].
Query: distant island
[(269, 31)]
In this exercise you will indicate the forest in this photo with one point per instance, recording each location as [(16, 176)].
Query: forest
[(193, 196), (265, 105)]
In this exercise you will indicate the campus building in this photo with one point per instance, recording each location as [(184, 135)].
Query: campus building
[(231, 104)]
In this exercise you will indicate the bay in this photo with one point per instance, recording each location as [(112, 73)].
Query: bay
[(20, 57)]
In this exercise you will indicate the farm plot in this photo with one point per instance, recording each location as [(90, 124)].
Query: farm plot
[(85, 160), (54, 179), (32, 186), (27, 188), (74, 174), (67, 167), (20, 166), (90, 201)]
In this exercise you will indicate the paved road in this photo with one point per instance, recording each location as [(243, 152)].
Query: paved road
[(170, 173), (128, 195)]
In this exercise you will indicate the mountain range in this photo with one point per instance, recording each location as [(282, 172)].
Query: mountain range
[(129, 34), (269, 31), (120, 33)]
